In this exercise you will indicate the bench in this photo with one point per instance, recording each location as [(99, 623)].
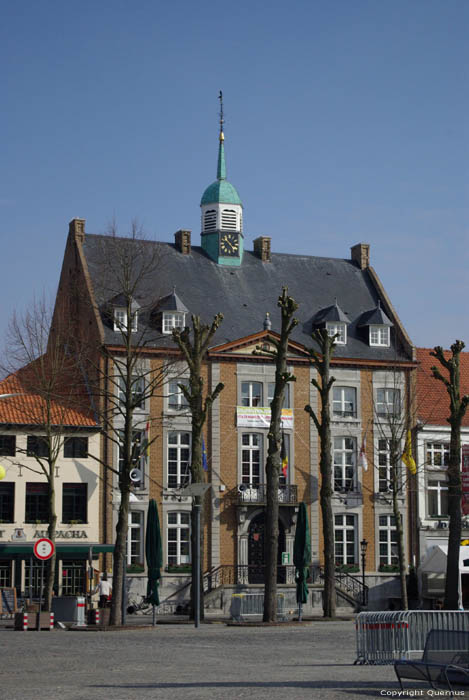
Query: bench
[(445, 660)]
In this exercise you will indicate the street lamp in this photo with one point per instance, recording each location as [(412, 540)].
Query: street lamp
[(363, 546)]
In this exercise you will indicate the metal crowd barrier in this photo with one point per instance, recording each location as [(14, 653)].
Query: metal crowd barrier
[(383, 637), (245, 605)]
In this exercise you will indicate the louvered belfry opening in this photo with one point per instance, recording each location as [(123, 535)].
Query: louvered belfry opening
[(210, 220), (229, 220)]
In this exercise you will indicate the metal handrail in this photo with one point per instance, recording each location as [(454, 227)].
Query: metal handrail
[(351, 585)]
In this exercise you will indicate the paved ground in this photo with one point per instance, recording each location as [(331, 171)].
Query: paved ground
[(178, 662)]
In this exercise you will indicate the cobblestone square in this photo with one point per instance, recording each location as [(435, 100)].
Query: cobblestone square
[(179, 662)]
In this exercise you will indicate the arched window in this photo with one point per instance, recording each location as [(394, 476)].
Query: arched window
[(210, 220), (229, 220)]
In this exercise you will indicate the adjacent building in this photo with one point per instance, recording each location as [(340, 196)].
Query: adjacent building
[(24, 510), (432, 440)]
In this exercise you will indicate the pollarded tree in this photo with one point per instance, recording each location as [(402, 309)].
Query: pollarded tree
[(457, 408), (322, 361), (194, 346), (287, 306)]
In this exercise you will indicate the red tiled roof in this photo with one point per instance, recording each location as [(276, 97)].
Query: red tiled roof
[(432, 396), (70, 405)]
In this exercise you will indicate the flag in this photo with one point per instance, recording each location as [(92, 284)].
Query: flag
[(204, 456), (363, 460), (284, 456), (407, 458)]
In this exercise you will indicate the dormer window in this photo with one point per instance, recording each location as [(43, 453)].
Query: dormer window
[(171, 313), (378, 324), (379, 336), (121, 320), (339, 329), (172, 320)]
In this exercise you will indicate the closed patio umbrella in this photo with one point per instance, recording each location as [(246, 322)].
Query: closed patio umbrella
[(302, 557), (154, 555)]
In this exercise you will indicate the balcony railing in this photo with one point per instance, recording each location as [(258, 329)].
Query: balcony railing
[(257, 493)]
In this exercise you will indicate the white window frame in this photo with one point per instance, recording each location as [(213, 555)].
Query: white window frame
[(270, 394), (390, 404), (182, 525), (387, 536), (172, 320), (250, 396), (176, 399), (384, 465), (334, 327), (121, 320), (182, 444), (344, 462), (380, 336), (135, 535), (137, 387), (435, 449), (339, 402), (347, 526), (437, 486), (255, 468)]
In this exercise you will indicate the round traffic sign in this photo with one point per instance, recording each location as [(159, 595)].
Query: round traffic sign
[(44, 549)]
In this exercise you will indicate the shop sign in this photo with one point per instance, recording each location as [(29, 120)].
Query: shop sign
[(64, 534), (259, 417)]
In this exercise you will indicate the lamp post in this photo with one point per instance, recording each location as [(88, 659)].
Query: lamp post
[(363, 546)]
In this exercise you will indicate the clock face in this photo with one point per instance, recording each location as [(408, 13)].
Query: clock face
[(229, 245)]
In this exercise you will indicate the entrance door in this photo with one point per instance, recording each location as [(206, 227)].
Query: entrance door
[(256, 554)]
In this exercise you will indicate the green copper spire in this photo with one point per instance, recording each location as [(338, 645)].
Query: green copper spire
[(221, 190)]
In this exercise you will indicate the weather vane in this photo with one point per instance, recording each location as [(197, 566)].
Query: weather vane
[(222, 121)]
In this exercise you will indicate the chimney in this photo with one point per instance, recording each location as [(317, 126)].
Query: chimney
[(361, 255), (262, 248), (76, 228), (182, 240)]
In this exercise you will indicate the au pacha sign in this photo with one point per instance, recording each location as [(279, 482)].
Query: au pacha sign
[(63, 534)]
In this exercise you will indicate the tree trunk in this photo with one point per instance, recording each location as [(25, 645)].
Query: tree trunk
[(323, 426), (51, 535), (197, 477), (271, 539), (329, 599), (452, 585), (396, 488)]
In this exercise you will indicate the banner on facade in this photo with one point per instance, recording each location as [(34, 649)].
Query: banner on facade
[(260, 417), (465, 479)]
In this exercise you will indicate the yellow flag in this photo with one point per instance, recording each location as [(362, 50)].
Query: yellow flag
[(407, 458)]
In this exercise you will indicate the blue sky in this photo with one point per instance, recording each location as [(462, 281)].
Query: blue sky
[(346, 121)]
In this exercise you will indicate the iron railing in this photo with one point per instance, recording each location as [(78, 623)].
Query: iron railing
[(350, 585), (257, 493)]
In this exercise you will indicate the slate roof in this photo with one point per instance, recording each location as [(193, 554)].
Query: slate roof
[(432, 397), (244, 294)]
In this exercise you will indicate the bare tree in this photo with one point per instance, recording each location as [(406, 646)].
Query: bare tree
[(287, 306), (394, 416), (321, 361), (124, 375), (194, 351), (48, 394), (457, 406)]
